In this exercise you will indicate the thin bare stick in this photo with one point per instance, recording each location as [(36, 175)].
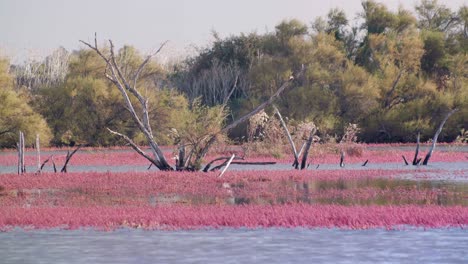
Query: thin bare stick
[(45, 162), (38, 153), (226, 99), (53, 164), (18, 146), (21, 166), (227, 165), (415, 159), (404, 159), (69, 156), (286, 130), (342, 157), (146, 61)]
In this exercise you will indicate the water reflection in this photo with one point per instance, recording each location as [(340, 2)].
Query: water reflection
[(367, 191)]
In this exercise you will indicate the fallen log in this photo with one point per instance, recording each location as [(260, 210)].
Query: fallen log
[(207, 166), (254, 163)]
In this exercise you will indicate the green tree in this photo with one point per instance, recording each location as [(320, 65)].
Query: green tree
[(16, 115)]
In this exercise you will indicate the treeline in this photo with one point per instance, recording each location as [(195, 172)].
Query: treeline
[(393, 73)]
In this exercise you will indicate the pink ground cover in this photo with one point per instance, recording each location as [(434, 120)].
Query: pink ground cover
[(129, 157), (253, 199), (250, 216), (272, 187), (169, 181)]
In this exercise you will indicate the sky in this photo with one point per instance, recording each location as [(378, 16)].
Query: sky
[(34, 28)]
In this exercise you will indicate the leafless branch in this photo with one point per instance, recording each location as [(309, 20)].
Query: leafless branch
[(291, 142), (136, 148), (146, 61)]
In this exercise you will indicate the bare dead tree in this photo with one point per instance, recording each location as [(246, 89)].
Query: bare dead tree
[(416, 160), (128, 87), (52, 70), (305, 147), (436, 135), (114, 74)]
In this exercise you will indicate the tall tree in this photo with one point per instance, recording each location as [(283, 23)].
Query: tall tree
[(16, 115)]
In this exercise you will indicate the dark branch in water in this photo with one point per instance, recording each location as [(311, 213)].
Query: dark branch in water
[(415, 159), (365, 163), (69, 156), (342, 164), (404, 159)]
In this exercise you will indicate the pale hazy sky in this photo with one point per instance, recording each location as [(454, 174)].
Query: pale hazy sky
[(39, 26)]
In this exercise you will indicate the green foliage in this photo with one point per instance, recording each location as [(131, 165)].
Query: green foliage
[(16, 115), (392, 74), (289, 29), (377, 18)]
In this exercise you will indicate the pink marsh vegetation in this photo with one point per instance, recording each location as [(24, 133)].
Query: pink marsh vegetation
[(318, 155), (335, 198), (171, 217)]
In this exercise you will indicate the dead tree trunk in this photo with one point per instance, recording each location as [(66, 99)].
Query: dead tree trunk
[(38, 154), (415, 159), (342, 157), (436, 136), (20, 145), (307, 148), (116, 76)]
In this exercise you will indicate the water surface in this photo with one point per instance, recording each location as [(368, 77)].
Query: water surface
[(235, 246)]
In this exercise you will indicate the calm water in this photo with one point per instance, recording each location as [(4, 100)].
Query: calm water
[(235, 246)]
